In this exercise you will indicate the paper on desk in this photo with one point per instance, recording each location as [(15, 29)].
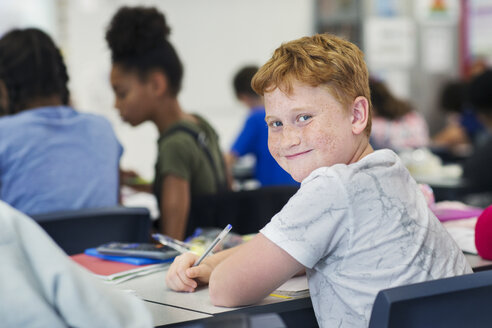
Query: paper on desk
[(120, 277), (294, 287), (454, 210), (463, 232)]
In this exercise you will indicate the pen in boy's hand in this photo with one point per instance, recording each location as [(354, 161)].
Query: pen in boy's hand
[(213, 244)]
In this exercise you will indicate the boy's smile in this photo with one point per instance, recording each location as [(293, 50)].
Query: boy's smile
[(309, 129), (294, 156)]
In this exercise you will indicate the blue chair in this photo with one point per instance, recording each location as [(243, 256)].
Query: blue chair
[(462, 301), (75, 231)]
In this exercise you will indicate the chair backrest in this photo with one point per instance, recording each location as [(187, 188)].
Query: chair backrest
[(75, 231), (462, 301), (247, 211)]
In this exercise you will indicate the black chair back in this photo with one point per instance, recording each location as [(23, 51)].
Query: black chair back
[(247, 211), (462, 301), (75, 231)]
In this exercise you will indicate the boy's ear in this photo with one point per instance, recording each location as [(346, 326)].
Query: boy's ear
[(158, 82), (359, 115)]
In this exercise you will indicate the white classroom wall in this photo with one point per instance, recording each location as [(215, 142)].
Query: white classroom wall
[(26, 13), (214, 38)]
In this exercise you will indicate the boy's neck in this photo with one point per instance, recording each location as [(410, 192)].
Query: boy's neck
[(363, 150)]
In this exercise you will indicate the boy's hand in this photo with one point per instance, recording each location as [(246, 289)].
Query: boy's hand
[(183, 277)]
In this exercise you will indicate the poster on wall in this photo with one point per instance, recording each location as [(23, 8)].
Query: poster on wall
[(437, 21), (437, 49), (479, 29), (389, 42), (446, 11)]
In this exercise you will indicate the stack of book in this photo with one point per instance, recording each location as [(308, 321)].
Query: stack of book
[(293, 288), (114, 271)]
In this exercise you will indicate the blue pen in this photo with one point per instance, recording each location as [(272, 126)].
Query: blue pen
[(213, 244)]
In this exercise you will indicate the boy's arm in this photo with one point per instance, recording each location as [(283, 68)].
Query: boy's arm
[(251, 272)]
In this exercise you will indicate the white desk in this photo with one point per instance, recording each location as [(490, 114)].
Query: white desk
[(170, 307), (153, 288), (167, 315), (477, 263)]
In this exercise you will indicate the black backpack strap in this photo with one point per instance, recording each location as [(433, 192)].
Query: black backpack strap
[(201, 139)]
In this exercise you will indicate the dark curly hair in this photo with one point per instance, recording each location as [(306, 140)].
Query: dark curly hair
[(137, 38), (31, 67)]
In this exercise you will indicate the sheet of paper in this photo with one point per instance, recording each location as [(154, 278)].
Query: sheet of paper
[(294, 287), (463, 232), (295, 284)]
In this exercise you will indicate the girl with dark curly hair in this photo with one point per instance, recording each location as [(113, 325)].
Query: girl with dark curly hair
[(146, 78)]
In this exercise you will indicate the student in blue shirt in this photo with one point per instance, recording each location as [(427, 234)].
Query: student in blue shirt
[(253, 138), (52, 157)]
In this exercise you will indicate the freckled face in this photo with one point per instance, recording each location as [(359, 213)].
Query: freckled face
[(132, 96), (308, 129)]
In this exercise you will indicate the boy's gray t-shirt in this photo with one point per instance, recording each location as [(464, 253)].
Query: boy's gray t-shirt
[(360, 228)]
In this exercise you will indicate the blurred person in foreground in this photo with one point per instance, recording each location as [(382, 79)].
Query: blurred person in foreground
[(42, 287)]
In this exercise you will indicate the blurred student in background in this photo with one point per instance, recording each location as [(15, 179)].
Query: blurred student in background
[(253, 138), (452, 100), (395, 124), (52, 157), (477, 168), (462, 128), (146, 77)]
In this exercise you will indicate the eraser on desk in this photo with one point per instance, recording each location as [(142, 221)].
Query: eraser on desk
[(483, 234)]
